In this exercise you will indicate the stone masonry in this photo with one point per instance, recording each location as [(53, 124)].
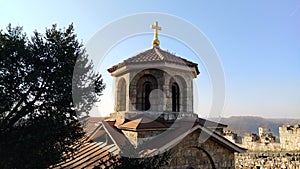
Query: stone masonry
[(267, 160), (290, 137), (289, 140), (193, 153), (271, 155)]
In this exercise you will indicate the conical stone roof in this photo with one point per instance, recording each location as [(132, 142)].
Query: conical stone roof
[(155, 55)]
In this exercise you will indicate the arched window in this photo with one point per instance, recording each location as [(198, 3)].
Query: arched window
[(121, 95), (144, 86), (175, 97), (147, 87)]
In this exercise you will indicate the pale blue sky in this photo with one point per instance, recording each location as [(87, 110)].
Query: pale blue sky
[(258, 43)]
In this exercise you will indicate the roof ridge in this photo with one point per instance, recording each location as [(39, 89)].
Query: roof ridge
[(139, 122), (157, 51)]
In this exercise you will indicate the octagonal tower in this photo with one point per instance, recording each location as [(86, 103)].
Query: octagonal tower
[(154, 83)]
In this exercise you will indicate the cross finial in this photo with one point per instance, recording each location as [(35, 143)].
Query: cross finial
[(155, 42)]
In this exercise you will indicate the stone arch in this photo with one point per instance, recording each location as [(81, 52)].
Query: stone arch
[(145, 85), (121, 95), (155, 80), (209, 157), (181, 83), (175, 92), (192, 157)]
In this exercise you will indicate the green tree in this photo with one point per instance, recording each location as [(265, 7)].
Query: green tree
[(153, 162), (38, 116)]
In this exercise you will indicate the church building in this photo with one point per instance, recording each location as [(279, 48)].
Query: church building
[(154, 113)]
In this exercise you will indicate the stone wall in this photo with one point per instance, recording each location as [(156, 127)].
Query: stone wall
[(231, 136), (136, 138), (289, 140), (192, 153), (290, 137), (267, 160), (184, 79), (257, 146)]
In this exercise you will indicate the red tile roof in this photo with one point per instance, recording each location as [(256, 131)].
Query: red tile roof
[(116, 135), (91, 155), (143, 123), (168, 139), (90, 124), (264, 127), (155, 55), (102, 148)]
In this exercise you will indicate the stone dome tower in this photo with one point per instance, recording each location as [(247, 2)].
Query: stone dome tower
[(154, 84), (154, 81)]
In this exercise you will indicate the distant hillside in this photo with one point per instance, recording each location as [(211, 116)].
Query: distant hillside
[(249, 124)]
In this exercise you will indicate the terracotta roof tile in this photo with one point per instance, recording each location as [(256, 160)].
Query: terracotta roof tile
[(104, 154), (185, 128), (90, 155), (117, 136), (90, 124), (265, 127), (143, 123), (154, 55)]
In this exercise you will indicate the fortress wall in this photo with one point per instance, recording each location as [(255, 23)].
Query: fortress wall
[(290, 137), (267, 160), (256, 146)]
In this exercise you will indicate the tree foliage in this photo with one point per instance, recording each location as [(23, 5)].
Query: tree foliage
[(153, 162), (38, 122)]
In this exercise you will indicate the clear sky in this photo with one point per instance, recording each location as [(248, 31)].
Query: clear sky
[(258, 43)]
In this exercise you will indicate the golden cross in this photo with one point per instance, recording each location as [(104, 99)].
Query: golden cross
[(156, 28)]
